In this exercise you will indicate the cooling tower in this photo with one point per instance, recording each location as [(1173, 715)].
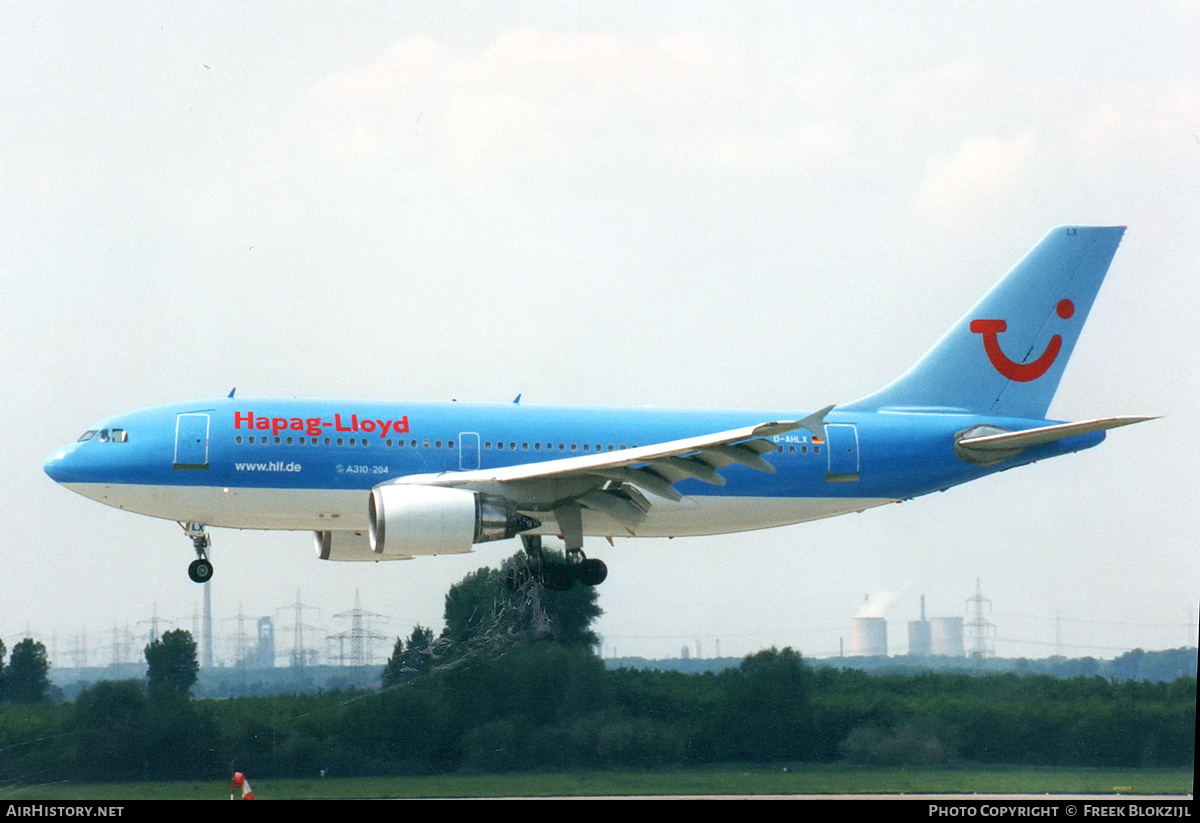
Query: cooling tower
[(947, 636), (869, 638)]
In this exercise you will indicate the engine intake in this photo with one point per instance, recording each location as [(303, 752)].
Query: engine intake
[(404, 521)]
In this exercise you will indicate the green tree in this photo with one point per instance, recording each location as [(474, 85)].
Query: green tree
[(768, 705), (410, 660), (27, 677), (111, 718), (172, 665), (485, 612)]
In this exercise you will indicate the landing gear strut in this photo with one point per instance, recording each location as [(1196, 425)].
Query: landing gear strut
[(557, 576), (200, 570)]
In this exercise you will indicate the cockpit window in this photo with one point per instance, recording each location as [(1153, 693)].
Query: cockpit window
[(106, 435)]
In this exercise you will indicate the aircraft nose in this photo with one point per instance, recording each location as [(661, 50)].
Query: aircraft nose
[(56, 465)]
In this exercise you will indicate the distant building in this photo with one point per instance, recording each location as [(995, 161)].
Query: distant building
[(920, 635), (869, 638), (264, 649), (947, 637)]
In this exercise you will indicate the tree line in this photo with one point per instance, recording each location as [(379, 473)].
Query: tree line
[(513, 684)]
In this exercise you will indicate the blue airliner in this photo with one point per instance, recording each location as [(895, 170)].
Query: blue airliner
[(385, 480)]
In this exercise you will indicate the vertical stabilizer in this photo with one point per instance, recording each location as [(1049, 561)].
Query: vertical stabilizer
[(1006, 356)]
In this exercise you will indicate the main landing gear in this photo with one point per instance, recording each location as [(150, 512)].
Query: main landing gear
[(556, 575), (200, 570)]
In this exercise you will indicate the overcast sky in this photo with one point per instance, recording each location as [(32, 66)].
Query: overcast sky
[(773, 205)]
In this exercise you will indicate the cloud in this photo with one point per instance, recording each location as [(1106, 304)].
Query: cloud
[(962, 188), (536, 98)]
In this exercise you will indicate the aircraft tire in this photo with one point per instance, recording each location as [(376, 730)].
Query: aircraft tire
[(592, 572), (200, 570)]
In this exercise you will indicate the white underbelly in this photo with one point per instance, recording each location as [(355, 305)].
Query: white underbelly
[(340, 510)]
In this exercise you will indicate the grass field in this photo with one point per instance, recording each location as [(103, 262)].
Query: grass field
[(810, 780)]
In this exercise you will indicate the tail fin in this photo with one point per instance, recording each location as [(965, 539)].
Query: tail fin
[(1007, 355)]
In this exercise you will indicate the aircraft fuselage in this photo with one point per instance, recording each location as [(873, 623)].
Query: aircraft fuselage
[(310, 464)]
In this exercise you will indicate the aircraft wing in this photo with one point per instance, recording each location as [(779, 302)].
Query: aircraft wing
[(613, 482)]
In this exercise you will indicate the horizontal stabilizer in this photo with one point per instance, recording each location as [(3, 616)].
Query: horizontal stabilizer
[(1007, 441)]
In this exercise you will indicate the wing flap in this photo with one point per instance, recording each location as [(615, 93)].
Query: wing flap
[(645, 479), (628, 510)]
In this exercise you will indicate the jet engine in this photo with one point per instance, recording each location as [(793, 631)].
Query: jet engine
[(409, 520), (347, 546)]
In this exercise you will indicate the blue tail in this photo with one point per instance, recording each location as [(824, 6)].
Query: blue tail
[(1007, 355)]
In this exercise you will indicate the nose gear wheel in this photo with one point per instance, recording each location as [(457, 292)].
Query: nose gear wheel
[(200, 570)]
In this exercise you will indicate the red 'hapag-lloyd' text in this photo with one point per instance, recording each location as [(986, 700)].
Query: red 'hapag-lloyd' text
[(315, 426)]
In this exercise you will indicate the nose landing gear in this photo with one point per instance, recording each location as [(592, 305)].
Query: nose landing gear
[(200, 570)]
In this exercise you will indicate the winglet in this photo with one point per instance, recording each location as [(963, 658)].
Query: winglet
[(815, 422)]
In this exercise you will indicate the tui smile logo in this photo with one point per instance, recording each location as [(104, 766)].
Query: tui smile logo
[(1021, 372)]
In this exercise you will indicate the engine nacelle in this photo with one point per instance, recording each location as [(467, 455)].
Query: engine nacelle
[(409, 520), (353, 546)]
